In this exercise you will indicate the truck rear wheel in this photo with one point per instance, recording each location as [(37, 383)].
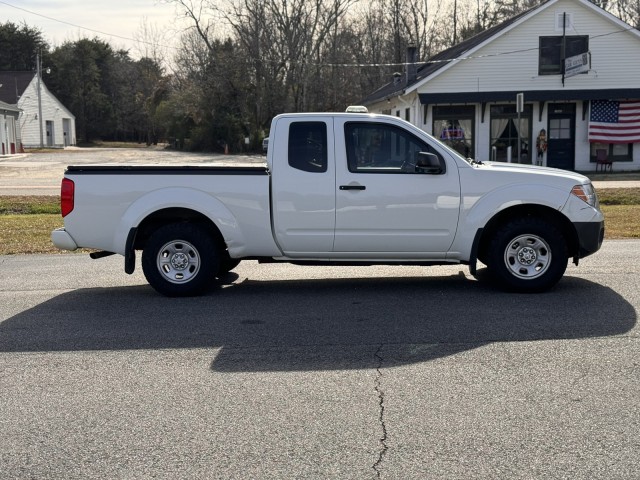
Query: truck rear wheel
[(527, 255), (180, 260)]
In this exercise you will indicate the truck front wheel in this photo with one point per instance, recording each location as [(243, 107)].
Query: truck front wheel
[(180, 260), (527, 255)]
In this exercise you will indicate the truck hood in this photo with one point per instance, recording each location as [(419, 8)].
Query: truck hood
[(525, 170)]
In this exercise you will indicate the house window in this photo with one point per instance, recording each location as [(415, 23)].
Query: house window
[(564, 21), (617, 152), (454, 125), (504, 133), (407, 114), (551, 54)]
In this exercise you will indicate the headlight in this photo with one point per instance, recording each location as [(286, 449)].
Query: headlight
[(586, 193)]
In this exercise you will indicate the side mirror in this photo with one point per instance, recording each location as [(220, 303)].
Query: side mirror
[(429, 163)]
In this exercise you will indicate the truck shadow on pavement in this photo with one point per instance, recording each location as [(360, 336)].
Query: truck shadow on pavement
[(316, 324)]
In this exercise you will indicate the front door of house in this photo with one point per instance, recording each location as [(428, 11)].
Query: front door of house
[(561, 147), (66, 131)]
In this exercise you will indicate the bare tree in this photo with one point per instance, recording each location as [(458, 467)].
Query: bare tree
[(627, 10), (151, 42), (201, 16), (302, 27), (283, 39)]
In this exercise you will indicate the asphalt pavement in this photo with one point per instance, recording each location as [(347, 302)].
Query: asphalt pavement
[(319, 372)]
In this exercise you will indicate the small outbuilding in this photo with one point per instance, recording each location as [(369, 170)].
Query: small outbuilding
[(43, 121)]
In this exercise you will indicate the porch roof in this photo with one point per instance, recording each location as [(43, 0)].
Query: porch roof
[(530, 96), (9, 108)]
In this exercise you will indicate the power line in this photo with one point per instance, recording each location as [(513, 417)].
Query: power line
[(84, 28), (422, 62), (456, 59)]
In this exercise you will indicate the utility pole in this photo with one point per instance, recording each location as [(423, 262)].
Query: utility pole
[(39, 79)]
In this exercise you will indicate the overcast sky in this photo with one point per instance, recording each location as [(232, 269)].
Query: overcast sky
[(116, 18)]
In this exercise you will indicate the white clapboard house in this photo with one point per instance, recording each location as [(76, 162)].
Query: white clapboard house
[(578, 70), (54, 127)]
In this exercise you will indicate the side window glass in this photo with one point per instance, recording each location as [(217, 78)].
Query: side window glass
[(308, 146), (381, 148)]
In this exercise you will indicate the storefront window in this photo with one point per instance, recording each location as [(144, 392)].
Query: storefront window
[(454, 126), (616, 152), (504, 134)]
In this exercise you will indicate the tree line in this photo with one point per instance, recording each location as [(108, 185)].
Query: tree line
[(241, 62)]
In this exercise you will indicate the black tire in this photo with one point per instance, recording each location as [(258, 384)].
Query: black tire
[(527, 255), (180, 260)]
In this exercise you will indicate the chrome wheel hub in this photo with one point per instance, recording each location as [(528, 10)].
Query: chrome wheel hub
[(178, 261), (527, 256)]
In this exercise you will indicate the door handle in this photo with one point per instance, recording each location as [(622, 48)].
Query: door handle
[(352, 187)]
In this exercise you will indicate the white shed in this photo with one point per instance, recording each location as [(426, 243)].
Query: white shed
[(55, 127)]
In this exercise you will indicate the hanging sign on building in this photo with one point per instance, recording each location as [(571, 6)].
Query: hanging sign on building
[(577, 64)]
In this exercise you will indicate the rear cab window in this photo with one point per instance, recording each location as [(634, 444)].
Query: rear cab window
[(308, 146)]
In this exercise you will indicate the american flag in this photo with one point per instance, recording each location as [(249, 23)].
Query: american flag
[(614, 122)]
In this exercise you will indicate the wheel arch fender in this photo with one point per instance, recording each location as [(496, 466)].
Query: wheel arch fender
[(177, 204), (480, 218)]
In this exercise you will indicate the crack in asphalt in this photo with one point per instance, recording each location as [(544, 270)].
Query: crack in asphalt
[(380, 393)]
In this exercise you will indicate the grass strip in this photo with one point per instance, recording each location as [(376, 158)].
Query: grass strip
[(619, 196), (21, 234), (621, 221), (29, 205)]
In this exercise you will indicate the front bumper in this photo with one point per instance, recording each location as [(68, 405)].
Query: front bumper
[(590, 237), (61, 239)]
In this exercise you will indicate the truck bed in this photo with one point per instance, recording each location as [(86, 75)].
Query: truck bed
[(122, 196)]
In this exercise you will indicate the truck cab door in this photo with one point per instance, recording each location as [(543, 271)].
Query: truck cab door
[(303, 185), (391, 197)]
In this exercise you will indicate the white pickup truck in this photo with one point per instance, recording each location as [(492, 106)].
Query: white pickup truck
[(356, 189)]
